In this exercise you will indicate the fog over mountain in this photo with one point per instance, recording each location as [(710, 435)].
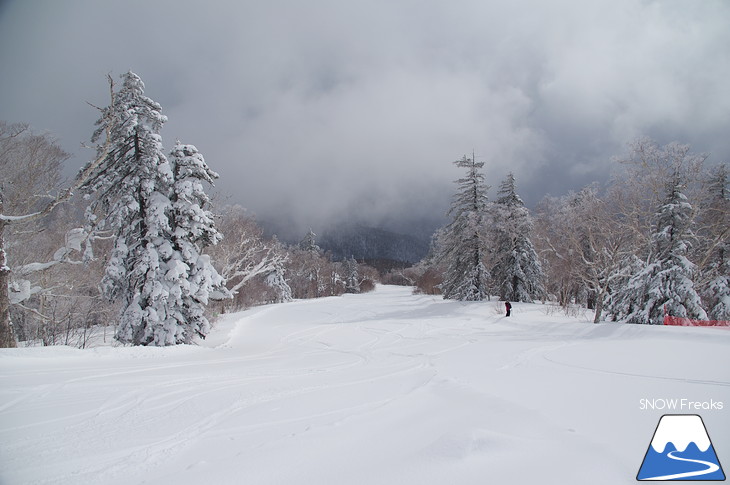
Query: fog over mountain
[(321, 112)]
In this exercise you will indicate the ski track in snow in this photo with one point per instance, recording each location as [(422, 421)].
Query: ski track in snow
[(386, 387)]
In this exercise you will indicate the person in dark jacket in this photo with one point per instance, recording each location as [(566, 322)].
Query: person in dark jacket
[(508, 306)]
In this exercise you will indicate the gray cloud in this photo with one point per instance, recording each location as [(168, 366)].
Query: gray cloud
[(332, 109)]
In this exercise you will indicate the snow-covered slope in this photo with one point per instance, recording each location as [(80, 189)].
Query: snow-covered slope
[(381, 388)]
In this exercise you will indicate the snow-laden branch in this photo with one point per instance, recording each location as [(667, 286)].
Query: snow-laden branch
[(255, 258), (21, 290), (35, 312), (74, 240), (12, 219)]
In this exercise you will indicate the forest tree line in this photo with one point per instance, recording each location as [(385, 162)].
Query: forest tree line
[(134, 240), (54, 289), (654, 238)]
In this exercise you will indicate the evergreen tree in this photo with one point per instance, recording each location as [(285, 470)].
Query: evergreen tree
[(352, 278), (159, 226), (665, 283), (716, 273), (621, 299), (191, 277), (131, 188), (718, 291), (309, 243), (277, 281), (463, 244), (516, 273), (311, 269)]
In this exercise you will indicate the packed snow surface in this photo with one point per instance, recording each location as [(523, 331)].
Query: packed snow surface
[(381, 388)]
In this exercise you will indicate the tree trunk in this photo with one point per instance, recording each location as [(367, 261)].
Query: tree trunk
[(7, 339), (599, 302), (599, 310)]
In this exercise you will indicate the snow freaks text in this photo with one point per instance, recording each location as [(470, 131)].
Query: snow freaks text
[(679, 404)]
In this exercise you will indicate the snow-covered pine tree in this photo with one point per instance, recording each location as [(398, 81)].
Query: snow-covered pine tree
[(666, 283), (463, 243), (309, 243), (132, 187), (516, 273), (621, 300), (718, 291), (191, 277), (716, 271), (277, 282), (352, 278), (131, 190), (310, 268)]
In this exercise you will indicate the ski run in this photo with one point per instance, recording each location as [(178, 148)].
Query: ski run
[(380, 388)]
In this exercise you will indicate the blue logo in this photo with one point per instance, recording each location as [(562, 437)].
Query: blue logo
[(681, 450)]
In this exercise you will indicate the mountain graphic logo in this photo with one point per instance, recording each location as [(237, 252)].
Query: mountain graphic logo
[(681, 450)]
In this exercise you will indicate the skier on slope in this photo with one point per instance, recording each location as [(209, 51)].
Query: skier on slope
[(508, 306)]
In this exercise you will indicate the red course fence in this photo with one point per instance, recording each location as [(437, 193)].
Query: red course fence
[(688, 322)]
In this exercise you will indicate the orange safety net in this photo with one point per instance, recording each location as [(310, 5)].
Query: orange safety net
[(688, 322)]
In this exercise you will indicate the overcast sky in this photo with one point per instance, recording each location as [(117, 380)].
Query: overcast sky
[(330, 109)]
